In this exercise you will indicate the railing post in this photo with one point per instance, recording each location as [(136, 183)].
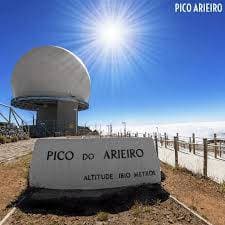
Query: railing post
[(193, 141), (177, 142), (189, 144), (176, 151), (165, 140), (215, 147), (10, 113), (161, 141), (156, 145), (205, 157)]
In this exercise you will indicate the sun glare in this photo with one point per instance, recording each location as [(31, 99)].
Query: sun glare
[(114, 35), (111, 35)]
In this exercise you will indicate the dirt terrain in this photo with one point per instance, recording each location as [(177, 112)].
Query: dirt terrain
[(13, 180), (202, 195)]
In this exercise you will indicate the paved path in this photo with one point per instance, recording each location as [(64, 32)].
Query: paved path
[(16, 149)]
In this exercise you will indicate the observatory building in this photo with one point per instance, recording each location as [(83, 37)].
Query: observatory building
[(55, 83)]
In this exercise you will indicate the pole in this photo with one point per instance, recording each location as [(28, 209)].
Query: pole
[(161, 141), (76, 123), (205, 157), (177, 142), (176, 151), (165, 139), (10, 112), (215, 147), (125, 128), (156, 145), (110, 129), (189, 144), (157, 131), (193, 140)]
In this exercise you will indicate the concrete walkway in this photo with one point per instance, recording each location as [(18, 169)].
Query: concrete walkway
[(16, 149)]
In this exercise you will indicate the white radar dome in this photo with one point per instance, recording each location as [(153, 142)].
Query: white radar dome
[(52, 73)]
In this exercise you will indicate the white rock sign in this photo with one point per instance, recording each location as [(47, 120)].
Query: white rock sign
[(93, 163)]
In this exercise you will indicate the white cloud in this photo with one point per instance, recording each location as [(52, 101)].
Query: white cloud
[(201, 129)]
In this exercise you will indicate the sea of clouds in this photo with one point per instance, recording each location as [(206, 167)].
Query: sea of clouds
[(201, 129)]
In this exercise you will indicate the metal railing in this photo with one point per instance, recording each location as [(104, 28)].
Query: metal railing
[(195, 145), (11, 124)]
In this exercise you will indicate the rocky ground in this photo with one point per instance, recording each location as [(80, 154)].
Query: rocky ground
[(138, 213)]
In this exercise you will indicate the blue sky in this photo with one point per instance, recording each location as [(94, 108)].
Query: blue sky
[(177, 75)]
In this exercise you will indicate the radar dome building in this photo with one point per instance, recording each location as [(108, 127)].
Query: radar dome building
[(55, 83)]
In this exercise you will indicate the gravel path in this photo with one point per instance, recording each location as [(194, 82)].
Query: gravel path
[(16, 149)]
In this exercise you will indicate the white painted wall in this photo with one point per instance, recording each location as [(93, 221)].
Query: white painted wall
[(191, 161), (216, 169), (194, 163), (52, 173), (167, 155)]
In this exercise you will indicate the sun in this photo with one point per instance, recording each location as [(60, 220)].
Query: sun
[(114, 35), (111, 34)]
